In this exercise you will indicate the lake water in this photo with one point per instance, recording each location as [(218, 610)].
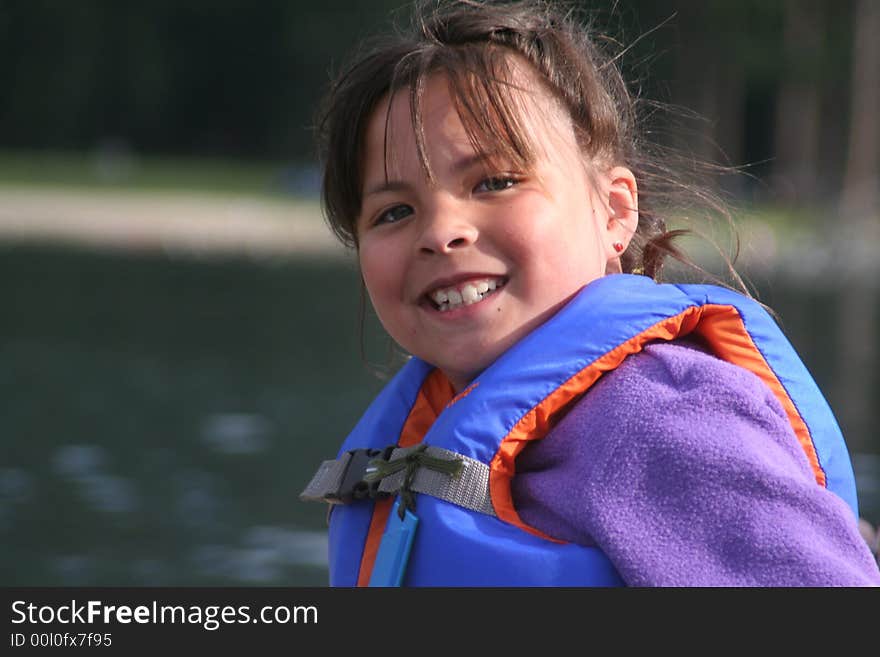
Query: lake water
[(161, 415)]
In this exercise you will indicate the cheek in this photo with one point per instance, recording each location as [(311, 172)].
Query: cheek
[(562, 247), (547, 229), (381, 274)]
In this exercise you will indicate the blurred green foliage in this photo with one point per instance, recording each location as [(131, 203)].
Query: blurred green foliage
[(88, 170), (241, 79)]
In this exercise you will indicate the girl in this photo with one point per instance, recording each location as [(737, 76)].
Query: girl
[(563, 420)]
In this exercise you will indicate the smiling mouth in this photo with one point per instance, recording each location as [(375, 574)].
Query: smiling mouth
[(466, 294)]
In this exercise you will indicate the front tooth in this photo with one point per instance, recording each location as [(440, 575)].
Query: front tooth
[(483, 287), (440, 296), (491, 285), (469, 294), (454, 297)]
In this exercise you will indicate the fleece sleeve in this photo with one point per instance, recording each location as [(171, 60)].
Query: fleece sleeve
[(684, 470)]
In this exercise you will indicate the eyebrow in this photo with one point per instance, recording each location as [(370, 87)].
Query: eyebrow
[(388, 186), (460, 165)]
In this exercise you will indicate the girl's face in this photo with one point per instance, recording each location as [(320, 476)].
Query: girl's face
[(461, 268)]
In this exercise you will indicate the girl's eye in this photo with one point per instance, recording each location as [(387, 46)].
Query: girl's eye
[(393, 215), (496, 184)]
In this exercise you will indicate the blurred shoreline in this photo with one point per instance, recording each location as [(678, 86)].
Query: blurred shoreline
[(186, 223)]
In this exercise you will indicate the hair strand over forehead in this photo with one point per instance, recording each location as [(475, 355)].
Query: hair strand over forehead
[(474, 45)]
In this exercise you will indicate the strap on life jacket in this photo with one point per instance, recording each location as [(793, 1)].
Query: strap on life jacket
[(373, 473)]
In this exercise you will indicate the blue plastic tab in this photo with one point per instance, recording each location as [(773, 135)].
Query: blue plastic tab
[(390, 566)]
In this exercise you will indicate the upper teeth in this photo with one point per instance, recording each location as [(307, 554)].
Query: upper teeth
[(470, 292)]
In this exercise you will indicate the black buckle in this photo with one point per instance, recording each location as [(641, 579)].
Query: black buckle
[(353, 486)]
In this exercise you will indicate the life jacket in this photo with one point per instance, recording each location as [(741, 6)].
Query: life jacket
[(523, 394)]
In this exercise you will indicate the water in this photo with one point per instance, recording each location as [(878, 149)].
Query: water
[(160, 415)]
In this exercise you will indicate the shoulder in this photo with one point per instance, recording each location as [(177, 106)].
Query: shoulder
[(676, 397), (672, 399), (666, 422), (684, 469), (681, 374)]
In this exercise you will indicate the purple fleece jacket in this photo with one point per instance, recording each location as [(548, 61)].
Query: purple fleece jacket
[(684, 470)]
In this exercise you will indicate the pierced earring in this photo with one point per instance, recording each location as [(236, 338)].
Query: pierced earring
[(618, 246)]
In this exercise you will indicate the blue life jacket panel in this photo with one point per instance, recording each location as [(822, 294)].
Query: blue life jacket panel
[(518, 398)]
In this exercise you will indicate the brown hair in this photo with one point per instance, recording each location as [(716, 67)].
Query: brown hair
[(470, 42)]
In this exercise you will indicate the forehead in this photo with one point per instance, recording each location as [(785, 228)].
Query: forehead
[(397, 127), (515, 115)]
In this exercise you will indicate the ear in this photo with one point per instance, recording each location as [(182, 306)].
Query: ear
[(622, 199)]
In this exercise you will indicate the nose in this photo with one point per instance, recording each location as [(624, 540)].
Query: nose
[(446, 229)]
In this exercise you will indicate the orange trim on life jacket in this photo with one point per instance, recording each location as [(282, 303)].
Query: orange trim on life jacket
[(436, 392), (464, 393), (724, 331), (381, 511), (726, 334)]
